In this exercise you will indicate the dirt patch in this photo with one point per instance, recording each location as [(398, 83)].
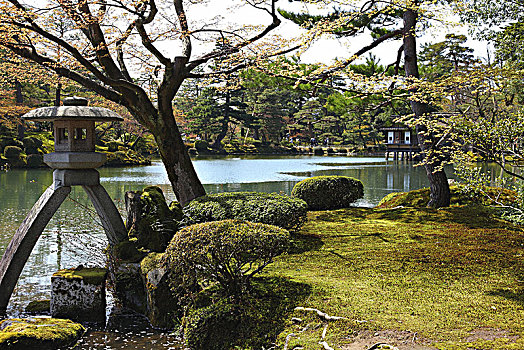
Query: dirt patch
[(489, 334), (403, 340)]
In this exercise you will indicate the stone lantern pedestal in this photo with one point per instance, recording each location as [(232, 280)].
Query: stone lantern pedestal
[(74, 161)]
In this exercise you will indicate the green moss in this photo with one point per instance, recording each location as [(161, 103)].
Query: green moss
[(88, 275), (38, 333), (176, 209), (252, 323), (499, 343), (150, 262), (36, 307), (439, 273), (420, 198), (157, 224), (127, 251)]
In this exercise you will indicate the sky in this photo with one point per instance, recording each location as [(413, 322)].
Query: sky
[(328, 48)]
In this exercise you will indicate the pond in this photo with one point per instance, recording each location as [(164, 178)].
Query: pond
[(74, 236)]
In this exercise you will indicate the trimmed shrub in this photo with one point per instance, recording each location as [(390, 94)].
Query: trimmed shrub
[(228, 253), (201, 145), (35, 160), (32, 144), (330, 151), (268, 208), (328, 192), (12, 152), (215, 327), (318, 151)]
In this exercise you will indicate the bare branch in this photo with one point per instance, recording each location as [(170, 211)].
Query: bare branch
[(236, 48), (32, 55)]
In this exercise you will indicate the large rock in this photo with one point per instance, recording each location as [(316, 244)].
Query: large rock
[(38, 333), (151, 224), (161, 306), (79, 294)]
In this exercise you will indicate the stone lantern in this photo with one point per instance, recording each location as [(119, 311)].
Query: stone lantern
[(74, 129), (74, 161)]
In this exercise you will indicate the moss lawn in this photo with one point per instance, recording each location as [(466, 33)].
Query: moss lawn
[(415, 278)]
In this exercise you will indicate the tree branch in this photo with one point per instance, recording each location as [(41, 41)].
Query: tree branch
[(236, 48)]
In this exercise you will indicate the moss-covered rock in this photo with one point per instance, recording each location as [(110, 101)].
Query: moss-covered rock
[(92, 275), (161, 306), (328, 192), (38, 307), (252, 323), (268, 208), (38, 333), (459, 196), (156, 224)]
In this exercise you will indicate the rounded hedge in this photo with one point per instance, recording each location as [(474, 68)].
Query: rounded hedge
[(201, 145), (328, 192), (318, 151), (227, 252), (35, 160), (12, 152), (268, 208)]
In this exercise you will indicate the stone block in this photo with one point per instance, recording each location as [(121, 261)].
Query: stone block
[(76, 177), (79, 294), (74, 160)]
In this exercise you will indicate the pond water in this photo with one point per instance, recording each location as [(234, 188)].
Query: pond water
[(74, 236)]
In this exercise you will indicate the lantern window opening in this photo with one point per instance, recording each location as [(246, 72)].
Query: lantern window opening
[(63, 135), (80, 134)]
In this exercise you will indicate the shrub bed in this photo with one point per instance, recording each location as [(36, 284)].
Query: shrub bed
[(328, 192), (228, 253), (268, 208)]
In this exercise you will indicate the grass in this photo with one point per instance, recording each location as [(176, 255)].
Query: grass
[(453, 278)]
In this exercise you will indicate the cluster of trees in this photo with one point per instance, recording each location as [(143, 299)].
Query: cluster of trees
[(125, 62), (274, 109)]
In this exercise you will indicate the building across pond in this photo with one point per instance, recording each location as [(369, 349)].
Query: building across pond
[(401, 142)]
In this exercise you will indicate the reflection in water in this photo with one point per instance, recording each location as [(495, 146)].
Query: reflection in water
[(74, 236)]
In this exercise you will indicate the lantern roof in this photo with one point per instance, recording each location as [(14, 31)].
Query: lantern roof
[(74, 108)]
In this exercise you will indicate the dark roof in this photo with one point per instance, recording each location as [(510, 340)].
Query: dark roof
[(395, 128), (97, 114)]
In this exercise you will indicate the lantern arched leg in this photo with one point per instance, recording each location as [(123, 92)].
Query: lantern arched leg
[(25, 238), (108, 213)]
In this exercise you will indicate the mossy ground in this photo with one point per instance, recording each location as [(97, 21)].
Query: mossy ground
[(453, 278)]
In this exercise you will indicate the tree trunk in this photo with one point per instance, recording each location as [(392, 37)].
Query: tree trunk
[(218, 140), (20, 128), (438, 181), (175, 157)]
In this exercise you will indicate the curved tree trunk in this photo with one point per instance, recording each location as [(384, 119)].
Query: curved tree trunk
[(438, 180), (177, 162)]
